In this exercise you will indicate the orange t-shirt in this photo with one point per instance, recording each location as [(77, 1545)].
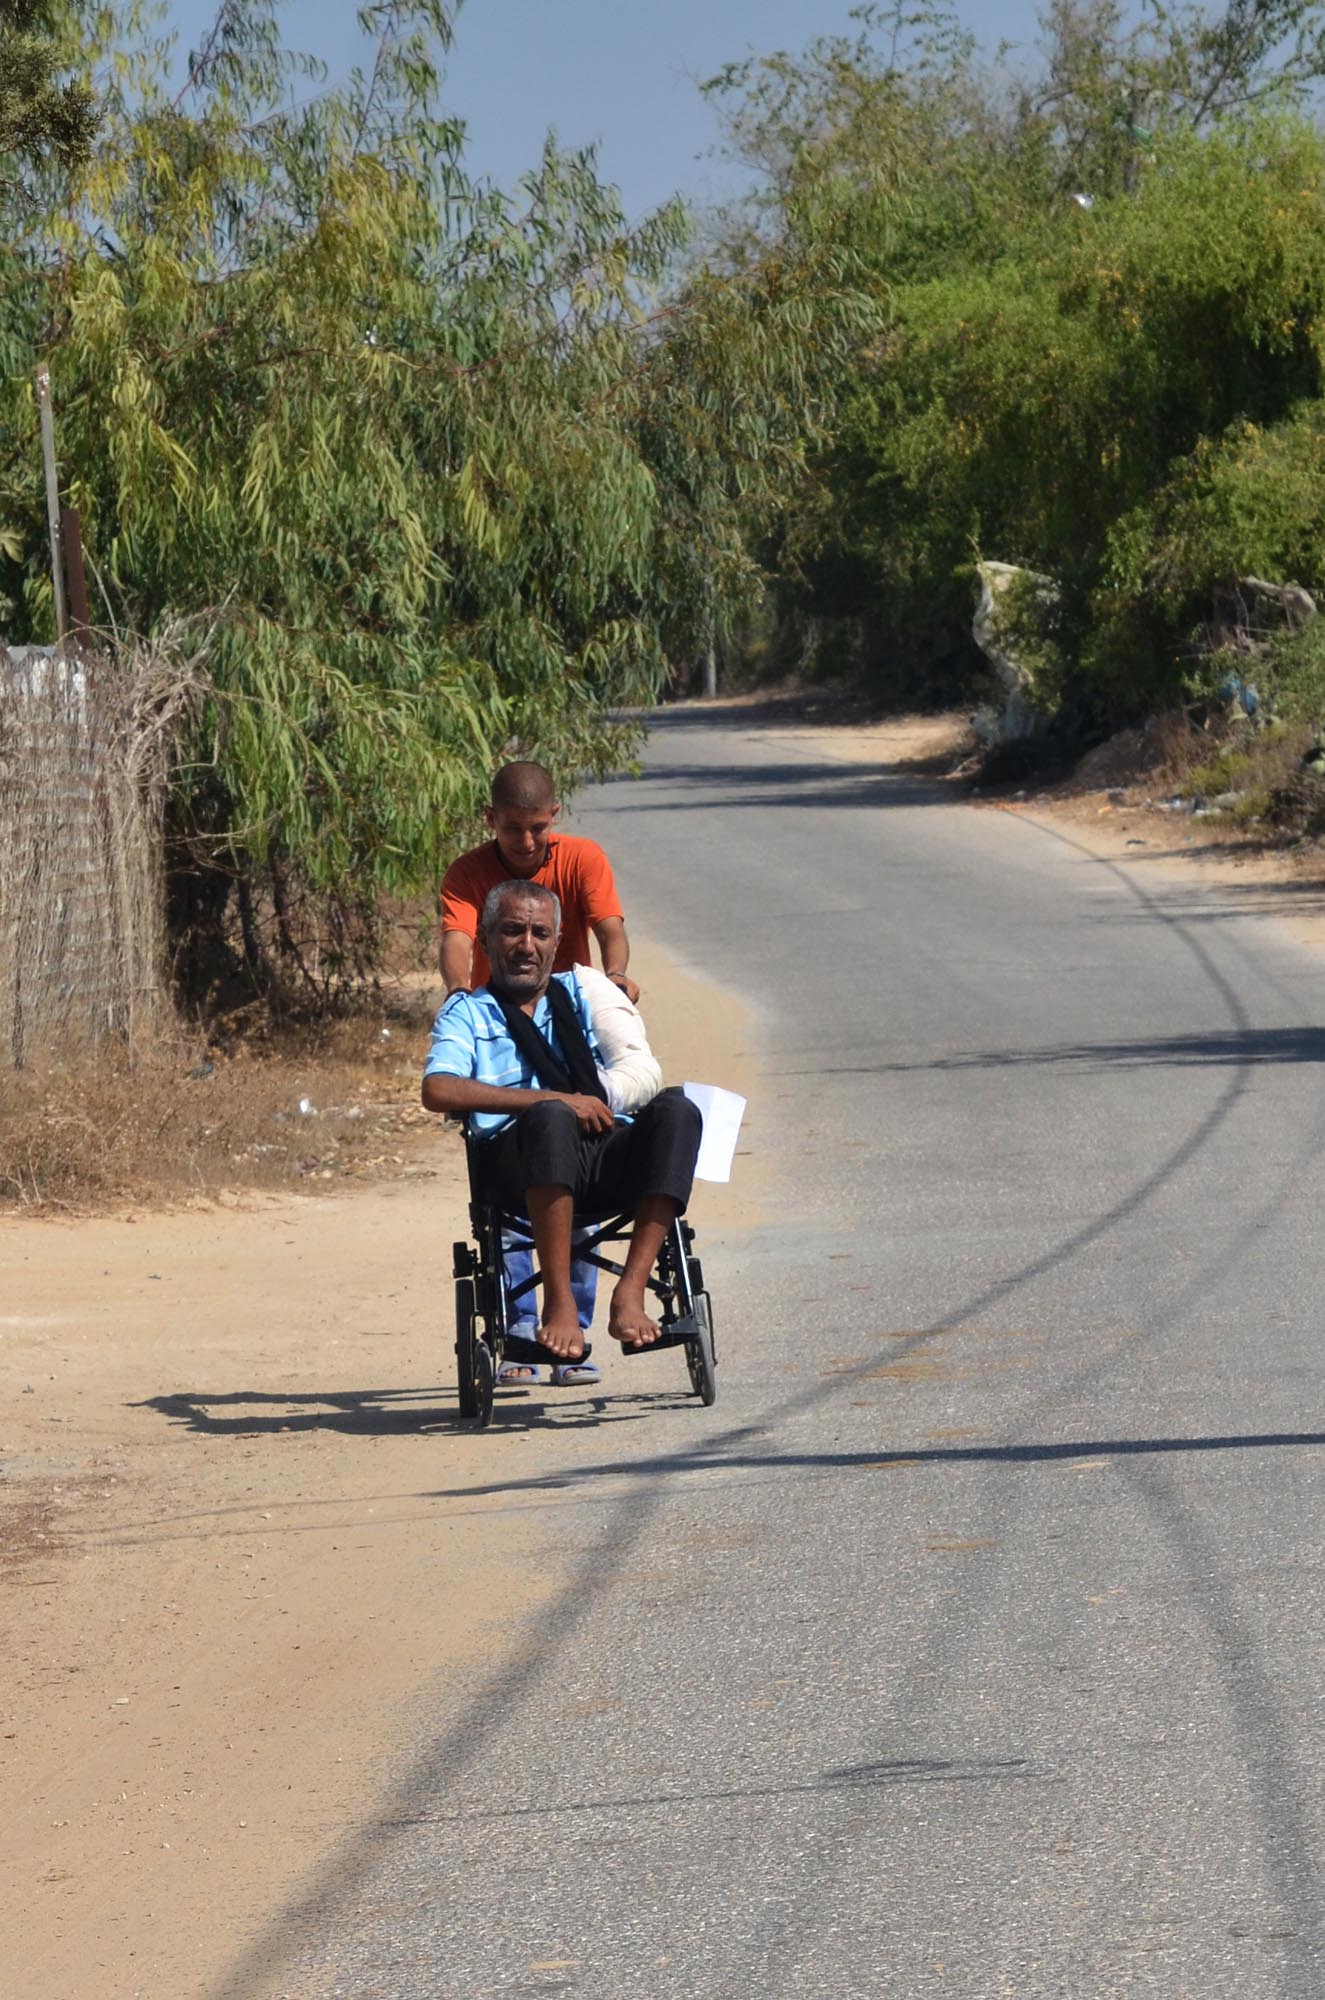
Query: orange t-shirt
[(576, 870)]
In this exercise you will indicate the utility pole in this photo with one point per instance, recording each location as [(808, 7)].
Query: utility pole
[(43, 379)]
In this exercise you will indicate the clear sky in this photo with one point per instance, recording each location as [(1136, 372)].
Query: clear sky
[(622, 72)]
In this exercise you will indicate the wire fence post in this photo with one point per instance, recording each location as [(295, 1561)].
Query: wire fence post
[(43, 379), (71, 536)]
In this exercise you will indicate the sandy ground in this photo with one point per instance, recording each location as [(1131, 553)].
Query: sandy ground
[(227, 1574)]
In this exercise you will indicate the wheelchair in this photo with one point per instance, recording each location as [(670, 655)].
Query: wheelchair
[(483, 1303)]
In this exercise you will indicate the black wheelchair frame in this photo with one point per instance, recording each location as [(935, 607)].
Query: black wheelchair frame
[(482, 1299)]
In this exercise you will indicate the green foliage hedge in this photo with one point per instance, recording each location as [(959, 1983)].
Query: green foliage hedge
[(1104, 345)]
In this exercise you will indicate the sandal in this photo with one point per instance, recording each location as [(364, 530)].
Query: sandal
[(519, 1375), (581, 1374)]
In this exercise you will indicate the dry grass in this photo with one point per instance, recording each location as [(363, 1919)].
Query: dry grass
[(186, 1119), (1254, 783), (1251, 767)]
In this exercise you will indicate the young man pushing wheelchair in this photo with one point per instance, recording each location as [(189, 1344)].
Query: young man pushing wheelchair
[(518, 1059)]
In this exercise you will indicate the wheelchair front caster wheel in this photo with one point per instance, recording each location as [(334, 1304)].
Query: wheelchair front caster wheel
[(485, 1380), (475, 1374), (699, 1354)]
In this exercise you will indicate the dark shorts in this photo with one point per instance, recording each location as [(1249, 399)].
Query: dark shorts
[(608, 1173)]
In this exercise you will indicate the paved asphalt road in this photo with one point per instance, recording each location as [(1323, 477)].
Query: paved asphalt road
[(972, 1646)]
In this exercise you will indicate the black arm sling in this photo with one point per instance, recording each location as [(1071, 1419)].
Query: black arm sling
[(578, 1073)]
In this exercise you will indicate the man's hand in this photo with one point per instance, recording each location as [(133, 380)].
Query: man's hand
[(457, 1096), (615, 948), (592, 1113)]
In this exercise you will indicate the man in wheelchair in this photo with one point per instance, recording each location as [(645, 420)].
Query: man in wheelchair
[(519, 1061)]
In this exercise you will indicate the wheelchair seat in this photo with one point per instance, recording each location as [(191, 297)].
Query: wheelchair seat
[(483, 1299)]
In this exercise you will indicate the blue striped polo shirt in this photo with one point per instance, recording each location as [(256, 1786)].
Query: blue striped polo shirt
[(470, 1039)]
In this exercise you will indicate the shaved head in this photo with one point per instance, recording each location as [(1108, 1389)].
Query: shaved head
[(523, 788)]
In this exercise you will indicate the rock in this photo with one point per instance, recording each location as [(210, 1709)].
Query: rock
[(1245, 614), (1297, 605), (1013, 629)]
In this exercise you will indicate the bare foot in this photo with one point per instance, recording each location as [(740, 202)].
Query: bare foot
[(560, 1332), (627, 1320)]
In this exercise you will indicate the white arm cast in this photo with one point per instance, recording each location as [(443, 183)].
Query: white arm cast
[(631, 1077)]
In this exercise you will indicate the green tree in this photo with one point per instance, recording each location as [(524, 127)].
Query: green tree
[(44, 114), (445, 467), (1090, 268)]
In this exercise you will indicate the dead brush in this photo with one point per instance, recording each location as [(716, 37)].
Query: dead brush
[(1249, 768), (185, 1119)]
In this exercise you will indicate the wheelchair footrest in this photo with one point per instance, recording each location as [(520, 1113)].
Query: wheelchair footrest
[(675, 1335), (533, 1354)]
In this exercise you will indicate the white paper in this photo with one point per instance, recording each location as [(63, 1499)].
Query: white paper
[(722, 1112)]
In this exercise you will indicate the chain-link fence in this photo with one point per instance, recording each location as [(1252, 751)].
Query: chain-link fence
[(83, 750)]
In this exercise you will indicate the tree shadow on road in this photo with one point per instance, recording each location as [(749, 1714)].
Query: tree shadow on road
[(1070, 1452), (765, 786), (1233, 1047), (849, 1778)]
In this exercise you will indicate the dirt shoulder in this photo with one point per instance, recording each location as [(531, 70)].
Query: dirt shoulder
[(228, 1564)]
